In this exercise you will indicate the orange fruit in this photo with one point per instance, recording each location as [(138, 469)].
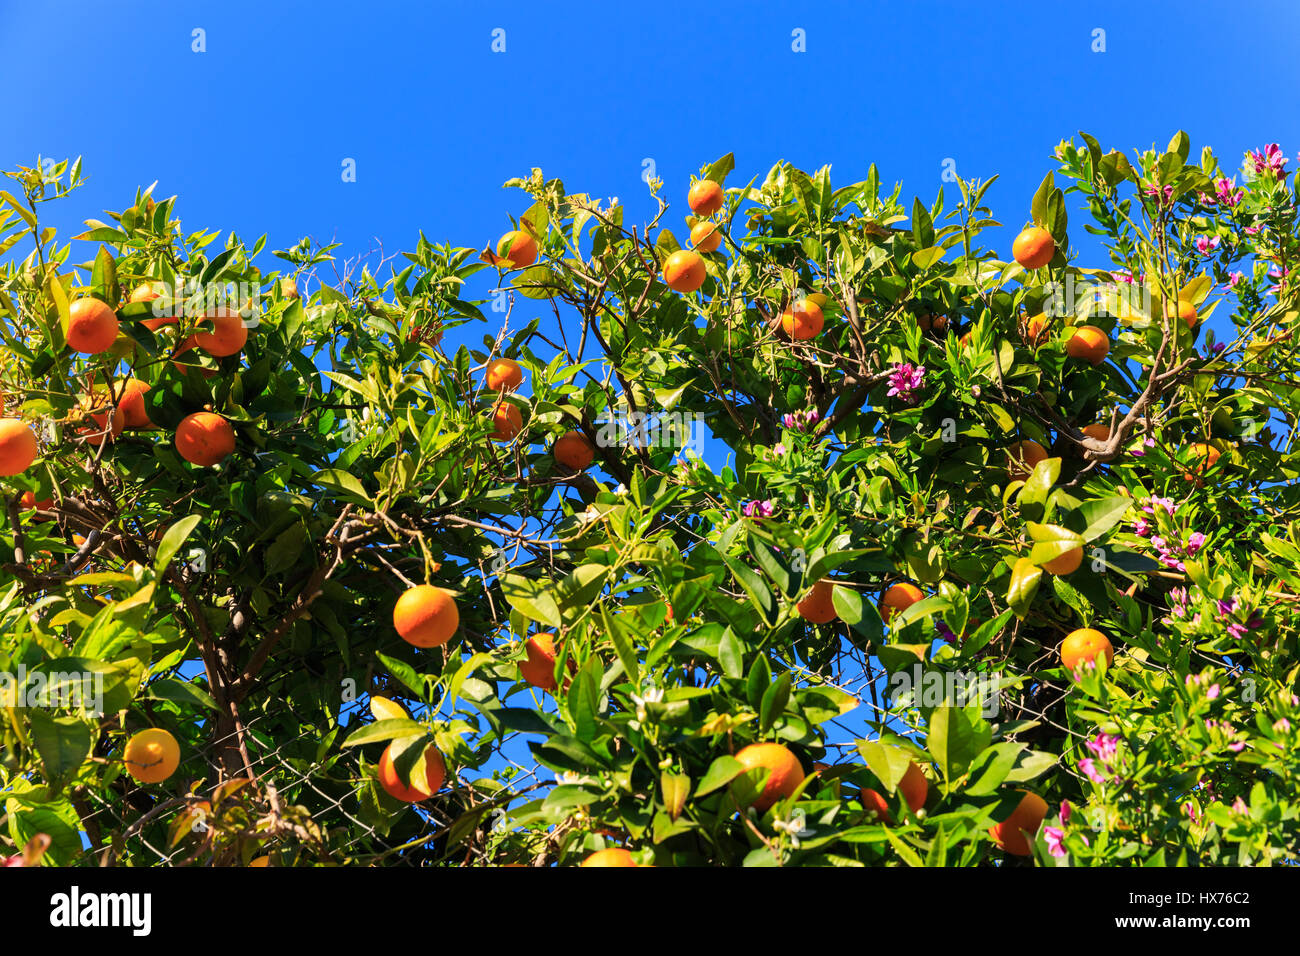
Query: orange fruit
[(1022, 457), (705, 197), (1035, 326), (229, 333), (914, 787), (1099, 432), (147, 293), (504, 375), (29, 502), (1183, 310), (131, 404), (818, 606), (506, 422), (803, 320), (152, 755), (1088, 343), (108, 422), (17, 446), (684, 271), (1085, 644), (574, 451), (435, 771), (615, 856), (1033, 248), (897, 598), (260, 861), (1066, 563), (426, 616), (706, 236), (539, 669), (92, 326), (425, 333), (1025, 818), (785, 771), (1204, 457), (933, 323), (518, 249), (204, 438)]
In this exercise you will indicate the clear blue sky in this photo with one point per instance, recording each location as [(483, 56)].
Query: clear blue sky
[(252, 133)]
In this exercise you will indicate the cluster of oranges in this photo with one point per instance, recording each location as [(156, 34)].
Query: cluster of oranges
[(573, 450)]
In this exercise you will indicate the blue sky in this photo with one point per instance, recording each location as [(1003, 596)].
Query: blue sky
[(252, 133)]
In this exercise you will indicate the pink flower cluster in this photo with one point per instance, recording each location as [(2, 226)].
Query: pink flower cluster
[(1270, 163), (1143, 528), (759, 509), (1206, 245), (801, 421), (1242, 618), (1054, 837), (1225, 192), (1225, 728), (1170, 554), (904, 380), (1104, 749)]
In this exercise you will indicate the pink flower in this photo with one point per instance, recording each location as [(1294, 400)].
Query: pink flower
[(759, 509), (1213, 692), (1089, 769), (1206, 244), (1271, 162), (904, 380), (1239, 806), (1142, 528), (1193, 544), (1154, 502), (1235, 279), (1104, 746), (1065, 812), (1227, 191), (1053, 837)]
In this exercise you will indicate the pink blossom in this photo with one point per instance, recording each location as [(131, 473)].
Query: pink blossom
[(1053, 836), (1104, 746), (1089, 769), (1227, 191), (1206, 244), (1235, 279), (1065, 812), (1271, 162), (904, 380)]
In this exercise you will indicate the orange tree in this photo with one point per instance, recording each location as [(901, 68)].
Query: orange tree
[(840, 541)]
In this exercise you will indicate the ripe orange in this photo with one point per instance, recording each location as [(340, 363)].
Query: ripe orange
[(426, 616), (229, 333), (1033, 248), (897, 598), (518, 249), (147, 293), (1088, 343), (818, 606), (1204, 457), (131, 404), (914, 787), (539, 669), (1035, 326), (1183, 310), (506, 422), (435, 771), (17, 446), (152, 755), (108, 422), (684, 271), (29, 502), (1022, 457), (504, 375), (204, 438), (573, 451), (803, 320), (706, 236), (1085, 644), (785, 771), (933, 323), (1066, 563), (260, 861), (705, 197), (615, 856), (1025, 818), (1099, 432), (92, 326)]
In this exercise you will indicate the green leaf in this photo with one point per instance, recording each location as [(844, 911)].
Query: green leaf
[(342, 482), (887, 762), (623, 645), (721, 772), (957, 735), (774, 700), (393, 729), (531, 598), (1102, 514), (180, 692), (63, 742), (1024, 584), (988, 771)]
